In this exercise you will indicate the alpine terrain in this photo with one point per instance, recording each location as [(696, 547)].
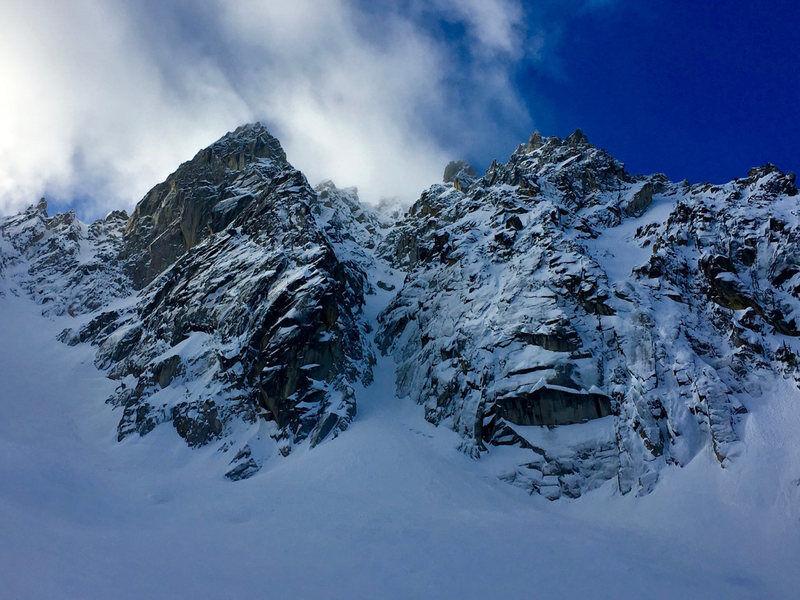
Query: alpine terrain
[(557, 378)]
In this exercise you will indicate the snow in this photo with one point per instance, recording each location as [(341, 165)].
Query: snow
[(566, 436), (389, 510), (618, 251)]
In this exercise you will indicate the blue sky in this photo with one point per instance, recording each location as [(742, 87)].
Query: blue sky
[(698, 90), (102, 99)]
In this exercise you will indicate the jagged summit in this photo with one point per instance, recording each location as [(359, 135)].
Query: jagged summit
[(201, 197), (242, 145), (632, 316), (555, 150), (577, 153), (459, 173), (559, 288), (772, 180), (65, 265), (328, 185), (576, 139), (455, 168)]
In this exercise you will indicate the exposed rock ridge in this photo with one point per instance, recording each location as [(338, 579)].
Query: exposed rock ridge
[(199, 199), (599, 325), (559, 288), (250, 337)]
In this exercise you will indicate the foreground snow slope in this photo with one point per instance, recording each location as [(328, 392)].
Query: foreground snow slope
[(390, 510)]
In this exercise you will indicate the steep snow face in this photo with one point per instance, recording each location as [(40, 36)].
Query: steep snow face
[(558, 289), (388, 510), (63, 264)]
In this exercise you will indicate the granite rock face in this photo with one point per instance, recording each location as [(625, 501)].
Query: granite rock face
[(583, 325), (250, 330), (198, 200), (558, 290)]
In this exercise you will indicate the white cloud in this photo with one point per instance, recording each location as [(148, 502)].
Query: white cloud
[(495, 24), (101, 100)]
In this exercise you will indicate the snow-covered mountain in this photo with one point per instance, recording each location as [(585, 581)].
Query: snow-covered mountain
[(66, 266), (559, 289), (577, 330), (558, 292)]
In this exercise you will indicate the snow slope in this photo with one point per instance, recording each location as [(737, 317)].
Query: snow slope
[(390, 510)]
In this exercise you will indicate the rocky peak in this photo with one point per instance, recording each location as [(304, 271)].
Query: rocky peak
[(577, 138), (455, 168), (772, 180), (763, 170), (65, 265), (535, 141), (243, 145), (247, 329), (117, 215), (572, 153), (586, 176), (530, 301), (460, 173), (555, 290), (200, 198), (328, 194)]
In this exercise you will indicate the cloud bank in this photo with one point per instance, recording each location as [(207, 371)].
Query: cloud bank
[(100, 100)]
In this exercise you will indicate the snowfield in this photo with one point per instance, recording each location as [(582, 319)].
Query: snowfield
[(390, 510)]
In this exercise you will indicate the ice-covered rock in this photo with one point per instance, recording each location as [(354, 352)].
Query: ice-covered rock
[(65, 265), (578, 323), (559, 288)]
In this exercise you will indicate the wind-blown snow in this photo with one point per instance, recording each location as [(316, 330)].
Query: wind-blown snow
[(390, 510)]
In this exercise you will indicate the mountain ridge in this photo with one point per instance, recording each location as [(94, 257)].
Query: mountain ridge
[(556, 292)]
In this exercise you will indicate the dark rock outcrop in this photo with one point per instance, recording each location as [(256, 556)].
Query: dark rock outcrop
[(460, 173), (198, 200), (552, 406)]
